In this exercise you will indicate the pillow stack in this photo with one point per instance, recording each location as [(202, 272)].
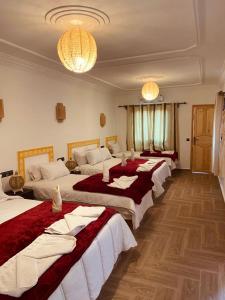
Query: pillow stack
[(98, 155), (48, 171), (114, 148)]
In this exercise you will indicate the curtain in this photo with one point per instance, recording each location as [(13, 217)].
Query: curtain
[(217, 133), (152, 127)]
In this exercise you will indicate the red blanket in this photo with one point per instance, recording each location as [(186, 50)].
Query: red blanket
[(131, 168), (156, 153), (136, 191), (19, 232)]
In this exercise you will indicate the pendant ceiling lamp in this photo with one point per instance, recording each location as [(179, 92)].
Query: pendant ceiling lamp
[(77, 50), (150, 91)]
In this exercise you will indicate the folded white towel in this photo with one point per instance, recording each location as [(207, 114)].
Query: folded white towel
[(70, 225), (105, 177), (168, 152), (123, 182), (86, 211), (145, 167), (56, 200), (21, 272), (132, 157), (124, 161)]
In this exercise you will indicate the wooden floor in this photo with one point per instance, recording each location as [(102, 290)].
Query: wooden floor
[(181, 246)]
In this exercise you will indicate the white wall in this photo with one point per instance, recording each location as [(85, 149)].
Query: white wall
[(30, 94), (203, 94)]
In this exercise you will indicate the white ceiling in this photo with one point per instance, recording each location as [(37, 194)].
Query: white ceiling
[(174, 42)]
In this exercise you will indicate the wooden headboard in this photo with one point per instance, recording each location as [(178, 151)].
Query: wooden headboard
[(22, 155), (108, 139), (71, 146)]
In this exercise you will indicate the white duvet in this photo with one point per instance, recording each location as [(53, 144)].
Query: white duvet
[(86, 278), (43, 190), (158, 177)]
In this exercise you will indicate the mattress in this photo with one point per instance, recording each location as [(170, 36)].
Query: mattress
[(87, 276), (159, 176), (126, 206)]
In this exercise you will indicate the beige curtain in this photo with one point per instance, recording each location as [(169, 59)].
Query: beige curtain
[(217, 133), (172, 127), (152, 127), (130, 127)]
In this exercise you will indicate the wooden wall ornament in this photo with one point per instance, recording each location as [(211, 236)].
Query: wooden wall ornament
[(60, 112), (1, 110), (102, 119)]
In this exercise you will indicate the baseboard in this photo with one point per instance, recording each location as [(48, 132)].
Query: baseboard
[(222, 187)]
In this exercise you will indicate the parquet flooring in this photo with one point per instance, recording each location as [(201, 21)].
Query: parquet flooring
[(181, 246)]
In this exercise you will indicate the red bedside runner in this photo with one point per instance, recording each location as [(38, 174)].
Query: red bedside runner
[(147, 153), (136, 191)]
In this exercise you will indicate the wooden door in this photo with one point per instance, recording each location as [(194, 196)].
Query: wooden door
[(202, 131)]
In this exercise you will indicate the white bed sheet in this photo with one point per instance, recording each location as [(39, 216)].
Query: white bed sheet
[(87, 276), (43, 190), (159, 176), (169, 161)]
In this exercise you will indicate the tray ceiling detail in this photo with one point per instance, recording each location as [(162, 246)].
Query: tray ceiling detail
[(70, 15), (175, 42)]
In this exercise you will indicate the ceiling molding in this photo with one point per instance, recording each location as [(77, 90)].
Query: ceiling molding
[(59, 12), (28, 51), (196, 27), (148, 55), (201, 73), (24, 64), (126, 60)]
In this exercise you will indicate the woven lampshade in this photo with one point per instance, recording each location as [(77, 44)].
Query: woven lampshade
[(71, 164), (77, 50), (150, 91), (16, 182)]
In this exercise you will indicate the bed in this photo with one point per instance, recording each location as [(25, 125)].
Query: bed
[(87, 276), (110, 140), (159, 176), (43, 188)]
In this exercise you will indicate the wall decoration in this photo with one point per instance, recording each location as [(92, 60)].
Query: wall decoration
[(102, 120), (60, 112), (1, 110)]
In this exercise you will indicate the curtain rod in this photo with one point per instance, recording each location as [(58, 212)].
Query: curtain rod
[(144, 104)]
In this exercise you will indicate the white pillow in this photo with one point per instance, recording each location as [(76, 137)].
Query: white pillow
[(80, 153), (115, 148), (80, 157), (105, 153), (54, 170), (94, 156), (2, 194), (34, 172)]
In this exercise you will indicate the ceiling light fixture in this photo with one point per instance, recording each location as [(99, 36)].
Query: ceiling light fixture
[(150, 91), (77, 50)]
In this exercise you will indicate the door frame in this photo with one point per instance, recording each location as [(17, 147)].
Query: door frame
[(192, 119)]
